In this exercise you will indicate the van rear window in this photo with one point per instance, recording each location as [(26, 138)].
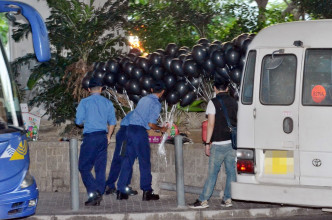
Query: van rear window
[(248, 81), (278, 79), (317, 79)]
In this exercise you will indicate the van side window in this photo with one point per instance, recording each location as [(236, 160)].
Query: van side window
[(248, 81), (317, 79), (278, 79)]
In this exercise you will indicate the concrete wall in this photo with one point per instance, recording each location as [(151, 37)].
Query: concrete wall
[(50, 166)]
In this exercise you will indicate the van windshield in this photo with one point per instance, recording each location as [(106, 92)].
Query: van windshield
[(10, 113), (317, 79), (278, 79)]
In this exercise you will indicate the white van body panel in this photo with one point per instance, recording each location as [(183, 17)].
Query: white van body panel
[(305, 178)]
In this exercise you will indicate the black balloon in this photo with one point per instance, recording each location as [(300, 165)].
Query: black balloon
[(161, 51), (239, 40), (144, 64), (190, 68), (185, 48), (194, 82), (119, 88), (203, 41), (226, 46), (133, 87), (100, 66), (134, 98), (218, 59), (90, 73), (98, 74), (216, 42), (86, 82), (182, 88), (135, 51), (122, 79), (112, 66), (232, 56), (136, 73), (182, 57), (199, 53), (110, 79), (181, 51), (169, 81), (144, 92), (123, 61), (235, 75), (146, 82), (155, 59), (242, 60), (214, 47), (223, 72), (176, 67), (172, 97), (189, 56), (157, 72), (128, 67), (167, 63), (171, 49), (188, 99), (208, 66), (245, 45)]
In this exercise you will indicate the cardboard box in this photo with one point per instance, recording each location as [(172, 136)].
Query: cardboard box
[(154, 136)]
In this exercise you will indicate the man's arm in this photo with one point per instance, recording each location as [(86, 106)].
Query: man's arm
[(80, 112), (156, 127), (210, 127), (110, 132)]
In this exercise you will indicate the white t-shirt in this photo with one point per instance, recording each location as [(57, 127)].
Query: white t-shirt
[(211, 109)]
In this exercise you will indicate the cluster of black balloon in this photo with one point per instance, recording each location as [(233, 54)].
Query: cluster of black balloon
[(184, 71)]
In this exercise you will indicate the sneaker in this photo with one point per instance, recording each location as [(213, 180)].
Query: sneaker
[(227, 203), (199, 205)]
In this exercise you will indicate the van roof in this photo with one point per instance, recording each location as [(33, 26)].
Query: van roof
[(313, 34)]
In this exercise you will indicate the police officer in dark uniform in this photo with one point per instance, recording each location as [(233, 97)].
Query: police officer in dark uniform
[(144, 117), (98, 116), (118, 155)]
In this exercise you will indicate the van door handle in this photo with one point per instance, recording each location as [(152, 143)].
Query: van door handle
[(254, 112)]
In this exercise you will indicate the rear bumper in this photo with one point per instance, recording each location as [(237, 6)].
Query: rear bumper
[(15, 204), (283, 194)]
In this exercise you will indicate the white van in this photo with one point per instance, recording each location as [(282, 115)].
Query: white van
[(285, 116)]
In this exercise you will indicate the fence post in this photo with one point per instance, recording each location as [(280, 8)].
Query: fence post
[(74, 188), (179, 169)]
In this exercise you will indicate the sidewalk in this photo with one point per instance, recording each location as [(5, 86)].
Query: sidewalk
[(57, 206)]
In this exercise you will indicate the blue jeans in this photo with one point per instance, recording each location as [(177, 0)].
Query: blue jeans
[(218, 155), (117, 159), (93, 154), (137, 147)]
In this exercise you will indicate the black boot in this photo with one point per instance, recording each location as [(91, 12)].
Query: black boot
[(121, 196), (108, 190), (94, 199), (131, 191), (149, 195)]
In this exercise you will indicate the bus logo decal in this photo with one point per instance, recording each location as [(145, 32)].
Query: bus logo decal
[(316, 162), (8, 152), (21, 151)]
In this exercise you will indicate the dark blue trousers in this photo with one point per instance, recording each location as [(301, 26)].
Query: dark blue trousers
[(137, 146), (93, 153), (117, 159)]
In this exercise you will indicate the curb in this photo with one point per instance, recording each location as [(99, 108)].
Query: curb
[(190, 215)]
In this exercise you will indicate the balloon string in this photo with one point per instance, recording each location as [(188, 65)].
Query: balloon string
[(112, 94)]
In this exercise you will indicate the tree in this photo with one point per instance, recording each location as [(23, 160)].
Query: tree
[(317, 9), (3, 29), (80, 34)]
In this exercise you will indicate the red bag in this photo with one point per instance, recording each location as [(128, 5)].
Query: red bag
[(204, 130)]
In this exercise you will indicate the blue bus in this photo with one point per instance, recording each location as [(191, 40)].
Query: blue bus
[(18, 189)]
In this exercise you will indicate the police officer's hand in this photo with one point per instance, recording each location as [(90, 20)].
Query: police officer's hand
[(108, 140), (164, 129)]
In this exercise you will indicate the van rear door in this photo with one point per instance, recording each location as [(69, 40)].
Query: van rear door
[(315, 117), (276, 115)]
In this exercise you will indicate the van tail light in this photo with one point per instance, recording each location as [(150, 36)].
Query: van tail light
[(245, 161), (245, 166)]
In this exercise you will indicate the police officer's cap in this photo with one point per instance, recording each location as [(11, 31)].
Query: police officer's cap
[(95, 82)]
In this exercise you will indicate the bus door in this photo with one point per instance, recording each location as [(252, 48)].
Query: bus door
[(276, 115), (315, 115)]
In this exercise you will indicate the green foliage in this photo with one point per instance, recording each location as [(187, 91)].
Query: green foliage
[(80, 34), (3, 28), (317, 9), (193, 107)]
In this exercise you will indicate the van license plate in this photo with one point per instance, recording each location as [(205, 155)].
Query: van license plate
[(279, 162)]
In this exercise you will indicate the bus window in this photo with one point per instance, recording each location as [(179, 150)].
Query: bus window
[(248, 81), (317, 79), (278, 79)]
